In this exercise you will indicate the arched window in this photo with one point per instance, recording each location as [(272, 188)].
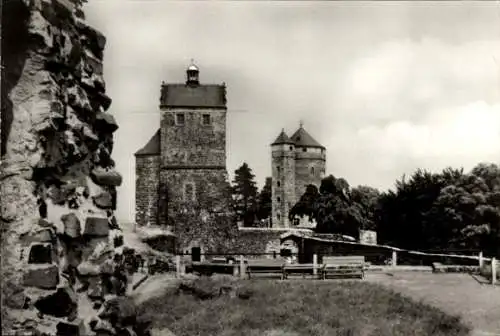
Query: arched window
[(278, 184), (279, 200), (278, 216), (312, 170)]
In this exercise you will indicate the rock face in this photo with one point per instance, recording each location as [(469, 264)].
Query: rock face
[(57, 177)]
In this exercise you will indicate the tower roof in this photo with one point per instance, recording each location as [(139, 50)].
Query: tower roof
[(303, 139), (152, 147), (282, 139)]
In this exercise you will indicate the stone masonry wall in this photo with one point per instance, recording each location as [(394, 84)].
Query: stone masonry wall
[(303, 175), (193, 144), (203, 219), (147, 189), (283, 158), (57, 177)]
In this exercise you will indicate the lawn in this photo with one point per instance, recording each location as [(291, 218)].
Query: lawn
[(294, 308)]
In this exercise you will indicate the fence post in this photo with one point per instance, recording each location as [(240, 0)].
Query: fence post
[(178, 265), (315, 264), (481, 261), (242, 267), (493, 271), (394, 261)]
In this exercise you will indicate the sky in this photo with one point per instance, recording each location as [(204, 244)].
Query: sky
[(386, 87)]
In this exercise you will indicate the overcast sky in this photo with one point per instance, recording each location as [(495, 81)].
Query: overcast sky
[(387, 87)]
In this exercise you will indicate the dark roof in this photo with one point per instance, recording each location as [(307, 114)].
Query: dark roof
[(282, 139), (182, 95), (152, 147), (303, 139)]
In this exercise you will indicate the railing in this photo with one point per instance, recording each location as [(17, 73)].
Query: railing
[(489, 267)]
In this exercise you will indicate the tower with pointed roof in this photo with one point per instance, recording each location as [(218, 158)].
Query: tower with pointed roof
[(297, 161), (186, 157)]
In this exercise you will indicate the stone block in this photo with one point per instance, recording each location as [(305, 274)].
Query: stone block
[(40, 253), (96, 227), (88, 269), (106, 177), (71, 224), (103, 200), (44, 276), (106, 123), (74, 328), (62, 303)]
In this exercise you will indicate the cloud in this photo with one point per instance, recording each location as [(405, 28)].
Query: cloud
[(419, 105)]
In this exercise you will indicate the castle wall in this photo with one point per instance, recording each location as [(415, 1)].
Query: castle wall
[(194, 219), (304, 163), (147, 183), (283, 195), (193, 144)]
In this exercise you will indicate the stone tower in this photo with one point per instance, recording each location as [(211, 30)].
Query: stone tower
[(193, 143), (297, 161), (283, 177), (184, 163)]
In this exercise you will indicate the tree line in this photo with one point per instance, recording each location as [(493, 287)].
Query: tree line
[(448, 210)]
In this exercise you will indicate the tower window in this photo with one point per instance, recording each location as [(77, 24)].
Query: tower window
[(312, 170), (304, 149), (279, 200), (206, 119), (291, 148), (179, 119), (278, 216), (189, 194), (279, 184)]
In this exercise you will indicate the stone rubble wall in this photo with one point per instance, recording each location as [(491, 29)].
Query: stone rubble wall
[(63, 269)]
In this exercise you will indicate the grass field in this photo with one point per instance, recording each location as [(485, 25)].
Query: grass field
[(293, 308)]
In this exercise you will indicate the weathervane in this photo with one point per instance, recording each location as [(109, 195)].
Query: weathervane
[(301, 123)]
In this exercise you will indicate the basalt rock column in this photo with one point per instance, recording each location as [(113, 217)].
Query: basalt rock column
[(57, 178)]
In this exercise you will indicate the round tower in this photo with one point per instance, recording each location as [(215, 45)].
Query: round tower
[(310, 161), (283, 175)]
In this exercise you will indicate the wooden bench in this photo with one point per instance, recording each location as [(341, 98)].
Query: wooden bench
[(303, 269), (209, 268), (270, 266), (343, 266)]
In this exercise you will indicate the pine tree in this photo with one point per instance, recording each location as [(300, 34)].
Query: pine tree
[(245, 194), (265, 200)]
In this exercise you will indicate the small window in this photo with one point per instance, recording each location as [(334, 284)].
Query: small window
[(206, 119), (278, 216), (312, 170), (279, 199), (189, 192), (179, 119), (279, 184), (291, 148), (304, 149)]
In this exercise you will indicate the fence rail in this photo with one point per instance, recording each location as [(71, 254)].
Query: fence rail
[(489, 267)]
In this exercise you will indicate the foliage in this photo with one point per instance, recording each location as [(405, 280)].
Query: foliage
[(336, 208), (208, 219), (264, 205), (244, 192), (444, 211), (297, 308)]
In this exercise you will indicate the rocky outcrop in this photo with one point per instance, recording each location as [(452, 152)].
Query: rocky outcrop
[(57, 177)]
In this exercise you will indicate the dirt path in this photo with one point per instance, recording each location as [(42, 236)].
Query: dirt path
[(458, 294)]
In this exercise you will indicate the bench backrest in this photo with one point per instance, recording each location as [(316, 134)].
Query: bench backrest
[(265, 262), (344, 260)]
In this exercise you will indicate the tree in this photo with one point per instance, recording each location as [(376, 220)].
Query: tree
[(264, 208), (306, 204), (365, 199), (332, 207), (244, 192)]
